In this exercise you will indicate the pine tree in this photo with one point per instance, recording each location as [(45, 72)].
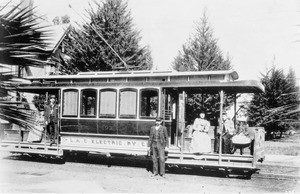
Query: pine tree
[(97, 45), (202, 53), (278, 108)]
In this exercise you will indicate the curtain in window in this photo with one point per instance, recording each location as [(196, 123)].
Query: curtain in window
[(128, 103), (70, 103), (108, 103)]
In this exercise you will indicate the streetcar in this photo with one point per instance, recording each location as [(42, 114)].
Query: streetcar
[(112, 113)]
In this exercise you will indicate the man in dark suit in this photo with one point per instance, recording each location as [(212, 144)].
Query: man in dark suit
[(158, 143), (51, 118)]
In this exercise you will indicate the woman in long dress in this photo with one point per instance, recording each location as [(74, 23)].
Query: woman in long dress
[(201, 142)]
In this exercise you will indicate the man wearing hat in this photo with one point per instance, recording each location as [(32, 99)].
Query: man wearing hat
[(51, 117), (158, 141)]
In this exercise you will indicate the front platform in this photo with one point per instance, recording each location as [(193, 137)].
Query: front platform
[(33, 148)]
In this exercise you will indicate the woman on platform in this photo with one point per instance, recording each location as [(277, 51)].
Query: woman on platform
[(201, 142)]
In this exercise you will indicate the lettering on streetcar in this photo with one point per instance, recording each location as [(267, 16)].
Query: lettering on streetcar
[(80, 141)]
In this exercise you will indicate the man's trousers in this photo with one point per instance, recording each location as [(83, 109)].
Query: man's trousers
[(158, 156)]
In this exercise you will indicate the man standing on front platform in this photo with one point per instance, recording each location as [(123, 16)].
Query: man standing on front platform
[(158, 143), (51, 118)]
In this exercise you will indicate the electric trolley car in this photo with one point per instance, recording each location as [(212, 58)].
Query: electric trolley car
[(112, 113)]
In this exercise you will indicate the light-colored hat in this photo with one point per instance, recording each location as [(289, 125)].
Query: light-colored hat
[(158, 119)]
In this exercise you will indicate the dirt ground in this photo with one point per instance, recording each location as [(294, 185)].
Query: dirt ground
[(97, 174)]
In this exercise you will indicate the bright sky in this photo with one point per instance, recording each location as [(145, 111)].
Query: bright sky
[(254, 33)]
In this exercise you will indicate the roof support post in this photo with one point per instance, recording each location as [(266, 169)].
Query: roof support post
[(234, 107), (182, 100), (221, 125)]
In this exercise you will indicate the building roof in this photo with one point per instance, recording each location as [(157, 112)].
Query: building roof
[(57, 34)]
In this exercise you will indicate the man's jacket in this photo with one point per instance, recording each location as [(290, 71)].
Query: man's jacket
[(162, 136), (47, 113)]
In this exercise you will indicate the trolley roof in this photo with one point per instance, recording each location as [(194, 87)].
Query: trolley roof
[(121, 74), (205, 81)]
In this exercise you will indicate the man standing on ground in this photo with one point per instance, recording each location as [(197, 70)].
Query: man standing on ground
[(158, 143)]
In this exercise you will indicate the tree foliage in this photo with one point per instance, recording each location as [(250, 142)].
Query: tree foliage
[(22, 44), (97, 45), (65, 19), (22, 38), (278, 108), (202, 53)]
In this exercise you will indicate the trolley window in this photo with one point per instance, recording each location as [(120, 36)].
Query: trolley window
[(149, 103), (108, 103), (128, 103), (88, 103), (70, 103)]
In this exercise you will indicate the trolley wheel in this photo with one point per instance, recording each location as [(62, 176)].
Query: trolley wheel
[(61, 160), (225, 173), (57, 159), (248, 175)]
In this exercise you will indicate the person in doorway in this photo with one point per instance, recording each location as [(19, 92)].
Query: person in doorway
[(158, 143), (201, 142), (51, 118)]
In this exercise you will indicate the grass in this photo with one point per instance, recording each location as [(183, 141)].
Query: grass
[(288, 145)]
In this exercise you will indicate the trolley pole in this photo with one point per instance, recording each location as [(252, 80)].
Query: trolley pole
[(221, 125)]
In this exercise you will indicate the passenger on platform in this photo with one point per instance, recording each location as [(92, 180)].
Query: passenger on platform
[(51, 118), (201, 142), (158, 143), (243, 137), (226, 133)]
